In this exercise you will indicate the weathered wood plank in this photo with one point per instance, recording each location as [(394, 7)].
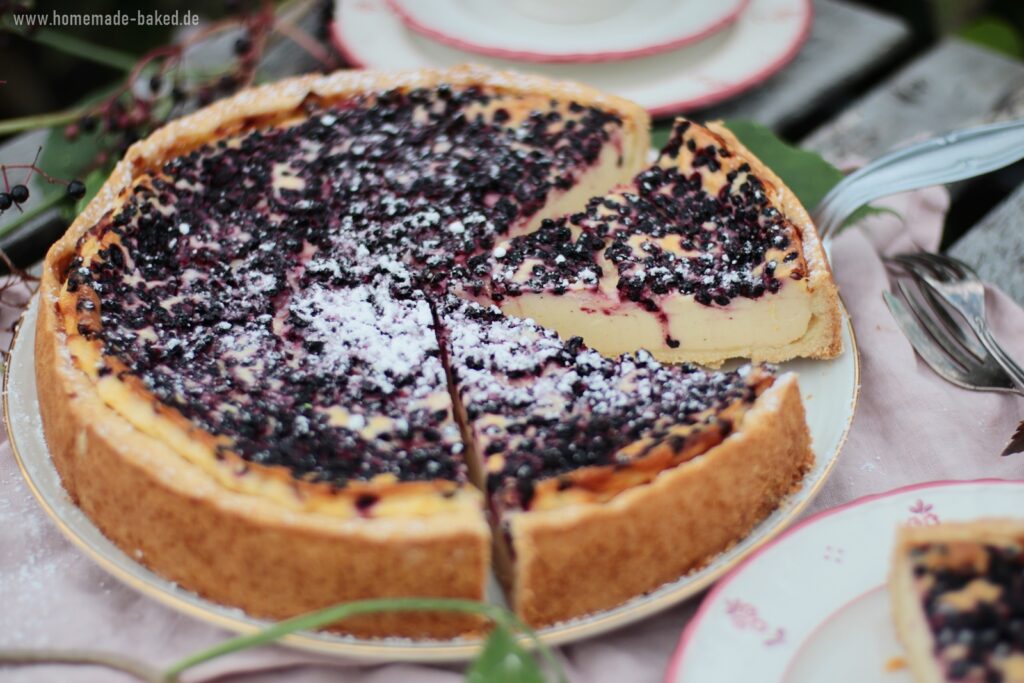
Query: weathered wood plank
[(995, 246), (953, 85), (846, 42)]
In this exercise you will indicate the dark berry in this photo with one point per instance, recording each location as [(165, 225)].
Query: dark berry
[(5, 201), (76, 189), (243, 44), (155, 83), (19, 193)]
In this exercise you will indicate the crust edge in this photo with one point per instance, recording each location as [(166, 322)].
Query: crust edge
[(634, 543)]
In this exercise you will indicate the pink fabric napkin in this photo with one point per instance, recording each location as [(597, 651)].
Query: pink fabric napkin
[(910, 427)]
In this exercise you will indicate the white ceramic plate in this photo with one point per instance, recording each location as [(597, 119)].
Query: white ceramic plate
[(631, 29), (830, 394), (812, 605), (763, 39)]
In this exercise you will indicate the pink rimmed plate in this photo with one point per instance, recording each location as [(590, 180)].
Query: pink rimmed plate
[(763, 39), (812, 605), (499, 29)]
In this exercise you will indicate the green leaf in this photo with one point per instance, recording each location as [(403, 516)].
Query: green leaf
[(806, 173), (76, 160), (504, 660), (996, 34), (330, 615), (71, 161), (68, 159), (660, 133), (76, 47)]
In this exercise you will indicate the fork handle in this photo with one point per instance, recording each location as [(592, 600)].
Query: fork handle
[(1015, 372), (955, 156)]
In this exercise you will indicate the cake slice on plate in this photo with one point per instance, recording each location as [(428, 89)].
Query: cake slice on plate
[(958, 600), (614, 475), (705, 256)]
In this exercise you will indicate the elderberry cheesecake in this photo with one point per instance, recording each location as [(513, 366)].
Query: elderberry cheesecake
[(958, 601), (262, 371), (703, 257)]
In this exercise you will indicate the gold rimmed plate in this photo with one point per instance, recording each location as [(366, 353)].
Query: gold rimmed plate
[(830, 395)]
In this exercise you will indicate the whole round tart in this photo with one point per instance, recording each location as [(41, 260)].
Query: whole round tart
[(279, 359)]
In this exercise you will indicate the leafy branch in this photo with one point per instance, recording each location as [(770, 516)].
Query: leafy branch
[(503, 658)]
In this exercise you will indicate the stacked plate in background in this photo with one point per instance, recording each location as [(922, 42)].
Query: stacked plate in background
[(668, 55)]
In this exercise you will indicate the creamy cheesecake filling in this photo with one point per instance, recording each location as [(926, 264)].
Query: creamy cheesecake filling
[(972, 595), (682, 328)]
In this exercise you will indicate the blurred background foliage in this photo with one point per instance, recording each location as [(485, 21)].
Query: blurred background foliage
[(995, 24), (49, 80)]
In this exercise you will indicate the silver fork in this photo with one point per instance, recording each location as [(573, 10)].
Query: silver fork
[(944, 347), (956, 284)]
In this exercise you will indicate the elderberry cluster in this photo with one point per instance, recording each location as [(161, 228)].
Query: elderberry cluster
[(16, 195)]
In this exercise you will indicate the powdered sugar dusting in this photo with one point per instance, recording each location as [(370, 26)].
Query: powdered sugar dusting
[(363, 329)]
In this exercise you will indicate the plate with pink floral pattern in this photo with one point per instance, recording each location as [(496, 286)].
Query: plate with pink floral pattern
[(812, 605)]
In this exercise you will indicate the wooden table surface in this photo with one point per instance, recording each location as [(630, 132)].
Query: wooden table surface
[(858, 87)]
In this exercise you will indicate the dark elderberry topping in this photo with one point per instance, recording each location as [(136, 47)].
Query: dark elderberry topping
[(272, 292), (973, 600), (723, 239)]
